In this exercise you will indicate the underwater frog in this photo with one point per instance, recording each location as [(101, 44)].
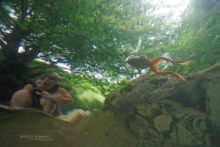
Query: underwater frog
[(141, 62)]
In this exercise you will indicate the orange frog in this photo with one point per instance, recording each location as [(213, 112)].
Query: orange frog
[(142, 61)]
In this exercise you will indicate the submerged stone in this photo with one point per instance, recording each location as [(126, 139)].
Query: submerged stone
[(139, 126), (162, 122)]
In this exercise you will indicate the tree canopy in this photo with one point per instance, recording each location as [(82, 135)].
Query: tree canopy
[(91, 36), (95, 37)]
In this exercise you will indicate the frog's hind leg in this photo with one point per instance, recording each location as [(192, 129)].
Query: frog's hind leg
[(157, 60), (182, 61), (154, 68)]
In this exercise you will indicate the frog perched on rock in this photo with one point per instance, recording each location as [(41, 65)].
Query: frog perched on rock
[(141, 62)]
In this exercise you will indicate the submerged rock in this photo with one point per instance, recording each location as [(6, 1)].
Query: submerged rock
[(139, 126), (29, 127), (162, 122), (152, 111), (181, 113)]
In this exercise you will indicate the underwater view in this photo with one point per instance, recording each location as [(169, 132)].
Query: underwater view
[(110, 73)]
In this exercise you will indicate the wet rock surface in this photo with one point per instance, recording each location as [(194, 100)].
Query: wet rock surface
[(172, 112), (152, 111)]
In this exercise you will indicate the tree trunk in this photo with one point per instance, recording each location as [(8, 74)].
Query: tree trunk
[(14, 66)]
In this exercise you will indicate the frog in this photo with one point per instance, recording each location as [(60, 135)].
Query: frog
[(142, 62)]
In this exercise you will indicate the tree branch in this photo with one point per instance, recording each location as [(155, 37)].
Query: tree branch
[(2, 32), (30, 53), (38, 67), (2, 43), (49, 54), (23, 11)]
